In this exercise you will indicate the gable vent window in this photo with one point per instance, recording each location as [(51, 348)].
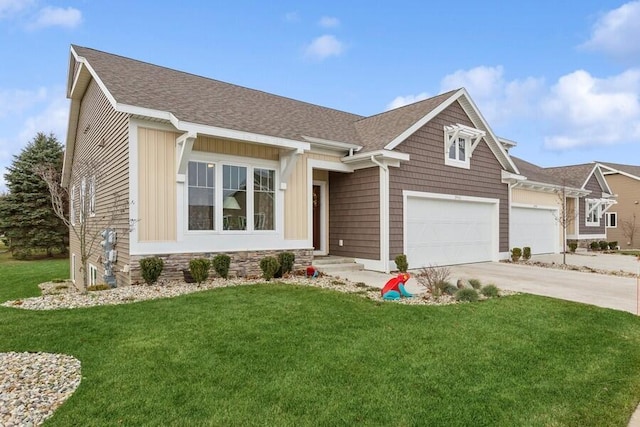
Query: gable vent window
[(459, 143)]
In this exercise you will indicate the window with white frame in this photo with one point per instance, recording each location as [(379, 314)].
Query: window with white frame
[(72, 207), (592, 213), (73, 268), (459, 143), (201, 196), (243, 204), (611, 219), (93, 275), (92, 196), (83, 199)]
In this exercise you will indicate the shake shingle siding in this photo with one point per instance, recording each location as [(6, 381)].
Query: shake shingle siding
[(354, 213), (426, 172), (596, 192)]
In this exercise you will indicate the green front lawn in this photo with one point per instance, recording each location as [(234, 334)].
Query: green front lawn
[(288, 355)]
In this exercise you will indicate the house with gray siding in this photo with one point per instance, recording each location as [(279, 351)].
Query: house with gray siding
[(209, 167)]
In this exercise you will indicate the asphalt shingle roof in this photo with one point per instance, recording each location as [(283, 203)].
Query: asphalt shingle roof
[(630, 169), (206, 101), (571, 176)]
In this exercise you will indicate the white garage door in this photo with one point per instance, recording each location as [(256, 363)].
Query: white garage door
[(536, 228), (446, 232)]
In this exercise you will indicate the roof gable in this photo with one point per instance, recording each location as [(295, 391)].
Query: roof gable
[(630, 171)]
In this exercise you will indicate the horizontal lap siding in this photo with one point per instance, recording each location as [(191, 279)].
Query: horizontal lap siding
[(354, 213), (103, 134), (596, 192), (427, 172), (628, 191)]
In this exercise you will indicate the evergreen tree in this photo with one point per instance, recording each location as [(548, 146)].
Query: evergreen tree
[(27, 219)]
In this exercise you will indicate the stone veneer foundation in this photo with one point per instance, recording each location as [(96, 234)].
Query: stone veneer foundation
[(243, 263)]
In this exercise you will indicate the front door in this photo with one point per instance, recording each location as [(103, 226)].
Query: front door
[(317, 209)]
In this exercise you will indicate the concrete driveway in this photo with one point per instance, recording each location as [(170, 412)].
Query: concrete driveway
[(619, 293)]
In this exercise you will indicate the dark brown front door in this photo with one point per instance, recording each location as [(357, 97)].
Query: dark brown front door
[(316, 217)]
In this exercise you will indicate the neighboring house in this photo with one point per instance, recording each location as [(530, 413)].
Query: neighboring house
[(623, 221), (209, 167)]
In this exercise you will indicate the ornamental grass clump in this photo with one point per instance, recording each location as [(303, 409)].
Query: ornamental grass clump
[(467, 294), (199, 268), (151, 268), (490, 291), (475, 283), (269, 266), (221, 265)]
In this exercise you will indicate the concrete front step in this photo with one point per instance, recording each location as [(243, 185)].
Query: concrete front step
[(329, 264)]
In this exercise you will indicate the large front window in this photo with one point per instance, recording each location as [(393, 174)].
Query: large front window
[(243, 204)]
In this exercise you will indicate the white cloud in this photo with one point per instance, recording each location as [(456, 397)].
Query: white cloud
[(614, 32), (324, 47), (292, 17), (9, 8), (16, 100), (401, 101), (52, 119), (57, 17), (587, 111), (329, 22)]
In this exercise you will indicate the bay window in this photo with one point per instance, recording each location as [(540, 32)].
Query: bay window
[(237, 203)]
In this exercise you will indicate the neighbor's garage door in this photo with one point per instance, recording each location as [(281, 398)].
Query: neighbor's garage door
[(445, 232), (534, 227)]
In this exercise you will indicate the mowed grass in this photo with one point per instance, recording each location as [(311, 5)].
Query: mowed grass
[(288, 355)]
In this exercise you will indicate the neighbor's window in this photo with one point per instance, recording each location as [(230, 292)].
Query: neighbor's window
[(611, 219), (93, 275), (592, 210), (92, 196), (72, 208), (201, 196), (83, 199), (264, 193)]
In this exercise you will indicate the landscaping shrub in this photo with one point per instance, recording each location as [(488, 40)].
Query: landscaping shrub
[(433, 278), (447, 288), (613, 245), (98, 287), (490, 291), (151, 268), (573, 246), (594, 246), (516, 253), (221, 265), (401, 263), (21, 254), (470, 295), (475, 283), (199, 269), (526, 253), (603, 245), (269, 266), (286, 260)]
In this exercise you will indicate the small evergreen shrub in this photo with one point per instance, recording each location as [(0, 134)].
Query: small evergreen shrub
[(98, 287), (490, 291), (151, 268), (467, 294), (526, 253), (603, 245), (221, 265), (401, 263), (572, 247), (269, 266), (516, 253), (21, 254), (594, 246), (613, 245), (286, 260), (475, 283), (199, 268)]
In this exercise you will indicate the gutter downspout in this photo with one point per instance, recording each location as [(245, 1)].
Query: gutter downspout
[(384, 213)]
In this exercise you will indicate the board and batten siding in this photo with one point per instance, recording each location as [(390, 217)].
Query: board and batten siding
[(427, 172), (102, 138), (156, 185), (235, 148), (354, 213), (628, 192), (596, 192)]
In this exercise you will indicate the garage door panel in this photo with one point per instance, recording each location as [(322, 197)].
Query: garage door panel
[(536, 228), (446, 232)]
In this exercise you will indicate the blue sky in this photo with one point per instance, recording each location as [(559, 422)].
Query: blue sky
[(561, 78)]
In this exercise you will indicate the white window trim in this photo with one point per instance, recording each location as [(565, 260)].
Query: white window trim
[(591, 205), (250, 163), (92, 196), (83, 199), (608, 216), (73, 268), (72, 209), (471, 137), (93, 280)]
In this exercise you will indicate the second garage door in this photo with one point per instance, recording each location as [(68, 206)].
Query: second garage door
[(446, 231), (535, 227)]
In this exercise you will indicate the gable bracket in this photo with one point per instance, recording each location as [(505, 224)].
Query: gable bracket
[(453, 132), (184, 145), (602, 204), (288, 162)]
